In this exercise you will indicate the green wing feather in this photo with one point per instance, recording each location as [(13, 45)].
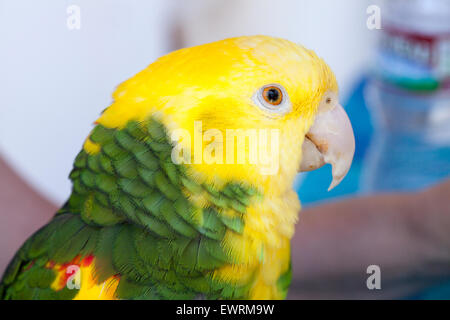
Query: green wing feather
[(128, 209)]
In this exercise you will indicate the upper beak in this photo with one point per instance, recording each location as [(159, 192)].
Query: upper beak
[(329, 140)]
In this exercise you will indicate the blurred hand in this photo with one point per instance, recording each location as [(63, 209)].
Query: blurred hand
[(406, 234)]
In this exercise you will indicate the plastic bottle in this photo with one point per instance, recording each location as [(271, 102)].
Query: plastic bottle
[(409, 97)]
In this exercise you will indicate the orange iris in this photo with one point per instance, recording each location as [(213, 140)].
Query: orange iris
[(272, 95)]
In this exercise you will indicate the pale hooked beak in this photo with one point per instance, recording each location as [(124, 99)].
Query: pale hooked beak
[(329, 140)]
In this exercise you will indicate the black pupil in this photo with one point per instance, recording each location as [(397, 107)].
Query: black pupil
[(273, 95)]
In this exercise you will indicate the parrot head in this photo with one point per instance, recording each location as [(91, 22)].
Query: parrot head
[(255, 109)]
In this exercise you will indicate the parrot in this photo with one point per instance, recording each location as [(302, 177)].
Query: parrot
[(164, 206)]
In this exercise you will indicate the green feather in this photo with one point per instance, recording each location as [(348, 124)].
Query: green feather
[(40, 277), (79, 187), (162, 149), (145, 244), (88, 178), (106, 183), (156, 130), (125, 140), (284, 281), (101, 216), (101, 134), (191, 186), (152, 203), (112, 150), (166, 187), (136, 130), (126, 167), (134, 187), (154, 225), (103, 266), (80, 160), (178, 224), (74, 174), (93, 163), (185, 210), (125, 257), (147, 176), (234, 223), (171, 171), (12, 270), (127, 289), (212, 226), (78, 239), (41, 241), (102, 199), (106, 164), (145, 157)]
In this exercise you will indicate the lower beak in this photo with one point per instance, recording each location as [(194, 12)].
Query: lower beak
[(329, 140)]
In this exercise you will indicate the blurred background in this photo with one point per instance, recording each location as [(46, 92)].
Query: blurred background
[(61, 60)]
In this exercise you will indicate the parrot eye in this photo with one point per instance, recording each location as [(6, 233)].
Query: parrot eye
[(273, 98), (272, 95)]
